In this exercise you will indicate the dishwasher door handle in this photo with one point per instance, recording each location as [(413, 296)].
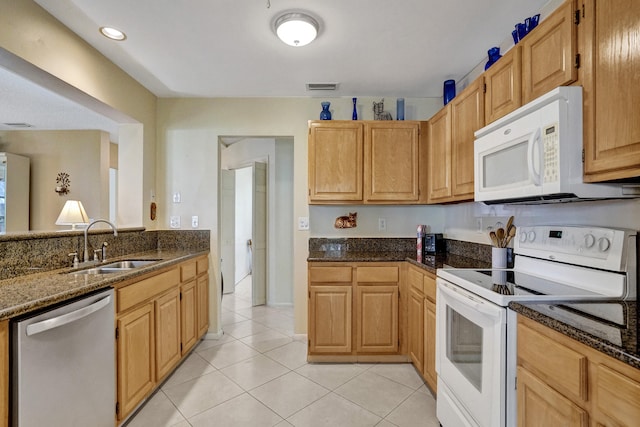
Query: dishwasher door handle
[(45, 325)]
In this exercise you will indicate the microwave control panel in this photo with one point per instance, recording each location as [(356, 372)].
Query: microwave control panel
[(551, 153)]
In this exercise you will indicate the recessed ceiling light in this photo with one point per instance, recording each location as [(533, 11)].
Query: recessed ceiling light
[(296, 29), (113, 33)]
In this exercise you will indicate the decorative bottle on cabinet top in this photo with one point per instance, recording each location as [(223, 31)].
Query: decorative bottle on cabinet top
[(494, 55), (354, 116), (325, 114)]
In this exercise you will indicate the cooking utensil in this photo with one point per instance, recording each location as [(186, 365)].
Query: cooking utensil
[(500, 236), (494, 239), (511, 234)]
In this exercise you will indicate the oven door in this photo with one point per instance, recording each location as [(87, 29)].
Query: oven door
[(470, 358)]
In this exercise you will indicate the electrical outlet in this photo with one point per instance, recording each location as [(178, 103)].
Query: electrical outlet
[(479, 225), (174, 222), (303, 223), (194, 221), (176, 197), (382, 224)]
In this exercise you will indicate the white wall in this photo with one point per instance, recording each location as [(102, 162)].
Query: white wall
[(244, 209)]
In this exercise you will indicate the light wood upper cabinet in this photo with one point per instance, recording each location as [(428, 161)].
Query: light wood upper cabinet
[(549, 53), (4, 373), (366, 162), (439, 156), (391, 162), (467, 116), (503, 82), (335, 161), (450, 152), (609, 34)]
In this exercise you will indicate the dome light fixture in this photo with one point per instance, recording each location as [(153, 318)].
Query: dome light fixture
[(113, 33), (296, 29)]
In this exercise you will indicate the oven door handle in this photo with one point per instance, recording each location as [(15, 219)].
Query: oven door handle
[(468, 299)]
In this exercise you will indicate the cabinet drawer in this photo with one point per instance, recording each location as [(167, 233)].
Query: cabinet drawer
[(202, 265), (414, 278), (559, 366), (188, 270), (138, 292), (330, 274), (429, 285), (377, 274)]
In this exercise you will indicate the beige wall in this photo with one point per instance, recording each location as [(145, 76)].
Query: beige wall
[(30, 33), (188, 132), (83, 154)]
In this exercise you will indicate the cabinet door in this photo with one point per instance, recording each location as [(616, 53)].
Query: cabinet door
[(167, 321), (611, 92), (4, 373), (467, 116), (203, 304), (617, 397), (549, 53), (188, 313), (136, 358), (391, 155), (416, 329), (335, 161), (330, 319), (430, 344), (504, 86), (377, 322), (541, 406), (439, 156)]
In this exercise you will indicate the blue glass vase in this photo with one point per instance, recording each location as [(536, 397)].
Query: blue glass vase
[(448, 91), (354, 116), (494, 55), (400, 109), (325, 114)]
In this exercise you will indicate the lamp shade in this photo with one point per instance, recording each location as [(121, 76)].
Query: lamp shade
[(72, 213), (296, 29)]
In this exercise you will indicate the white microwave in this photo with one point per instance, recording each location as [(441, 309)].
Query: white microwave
[(534, 155)]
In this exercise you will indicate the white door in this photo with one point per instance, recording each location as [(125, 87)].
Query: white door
[(259, 235), (228, 229)]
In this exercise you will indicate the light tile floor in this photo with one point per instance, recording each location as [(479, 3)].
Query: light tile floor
[(257, 375)]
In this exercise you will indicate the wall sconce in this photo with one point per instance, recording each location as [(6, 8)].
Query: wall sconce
[(63, 183), (72, 214)]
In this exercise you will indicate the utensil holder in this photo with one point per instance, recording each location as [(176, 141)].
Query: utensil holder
[(498, 257)]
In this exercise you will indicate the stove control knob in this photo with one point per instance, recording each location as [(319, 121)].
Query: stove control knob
[(531, 236), (589, 240), (523, 237), (603, 244)]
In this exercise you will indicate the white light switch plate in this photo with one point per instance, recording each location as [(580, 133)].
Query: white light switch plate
[(194, 221), (176, 197), (303, 223), (174, 222)]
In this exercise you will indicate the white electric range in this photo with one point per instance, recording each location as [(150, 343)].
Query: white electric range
[(476, 332)]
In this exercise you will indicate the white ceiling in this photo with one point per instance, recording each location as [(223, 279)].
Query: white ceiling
[(227, 48)]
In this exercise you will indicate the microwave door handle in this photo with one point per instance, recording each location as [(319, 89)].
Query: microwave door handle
[(533, 142)]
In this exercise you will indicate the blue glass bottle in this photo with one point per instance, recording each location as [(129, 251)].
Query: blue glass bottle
[(494, 55), (325, 114), (400, 109), (354, 116), (449, 91)]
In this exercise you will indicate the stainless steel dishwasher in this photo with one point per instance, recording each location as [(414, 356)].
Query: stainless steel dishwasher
[(63, 365)]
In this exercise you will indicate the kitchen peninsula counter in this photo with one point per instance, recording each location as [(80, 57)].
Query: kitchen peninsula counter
[(617, 341), (27, 293)]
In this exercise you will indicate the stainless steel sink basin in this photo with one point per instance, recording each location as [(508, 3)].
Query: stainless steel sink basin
[(117, 267)]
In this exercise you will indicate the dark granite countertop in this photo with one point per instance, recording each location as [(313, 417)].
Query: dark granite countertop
[(617, 339), (27, 293)]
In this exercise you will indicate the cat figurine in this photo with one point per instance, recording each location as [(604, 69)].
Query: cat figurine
[(348, 221)]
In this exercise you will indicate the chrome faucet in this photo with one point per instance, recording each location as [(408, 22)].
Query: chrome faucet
[(86, 250)]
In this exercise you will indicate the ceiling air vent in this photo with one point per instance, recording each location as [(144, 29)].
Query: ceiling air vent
[(18, 125), (322, 86)]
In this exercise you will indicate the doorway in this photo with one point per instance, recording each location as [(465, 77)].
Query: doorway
[(256, 217)]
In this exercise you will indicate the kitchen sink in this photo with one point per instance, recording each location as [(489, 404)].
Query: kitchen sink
[(117, 267)]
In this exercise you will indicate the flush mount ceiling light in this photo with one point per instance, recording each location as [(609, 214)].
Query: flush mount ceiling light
[(296, 29), (113, 33)]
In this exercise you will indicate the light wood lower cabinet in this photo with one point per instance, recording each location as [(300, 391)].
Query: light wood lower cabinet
[(422, 322), (158, 320), (354, 311), (4, 373), (564, 382)]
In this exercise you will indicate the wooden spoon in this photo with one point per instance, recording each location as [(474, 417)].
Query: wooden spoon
[(509, 224), (510, 235), (500, 235), (494, 239)]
